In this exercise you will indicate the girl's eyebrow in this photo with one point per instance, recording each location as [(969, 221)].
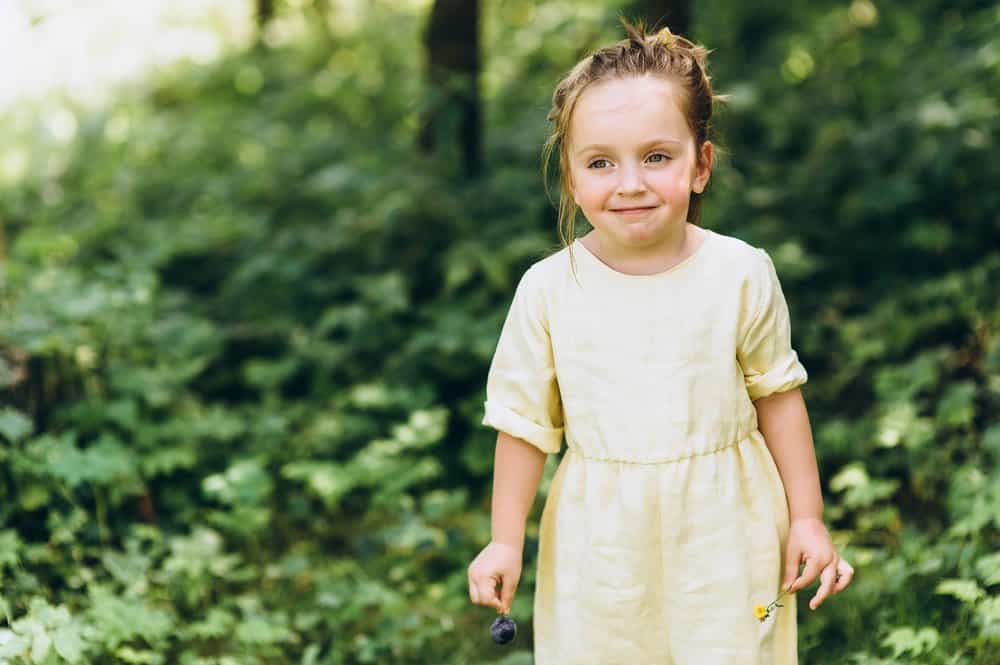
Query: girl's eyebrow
[(647, 144)]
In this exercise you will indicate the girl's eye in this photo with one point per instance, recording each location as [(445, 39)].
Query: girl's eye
[(594, 163)]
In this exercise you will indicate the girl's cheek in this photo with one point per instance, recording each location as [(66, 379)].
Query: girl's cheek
[(680, 187), (594, 190)]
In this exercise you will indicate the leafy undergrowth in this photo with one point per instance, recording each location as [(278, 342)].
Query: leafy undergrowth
[(246, 325)]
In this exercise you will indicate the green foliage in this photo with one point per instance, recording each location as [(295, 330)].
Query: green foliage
[(244, 327)]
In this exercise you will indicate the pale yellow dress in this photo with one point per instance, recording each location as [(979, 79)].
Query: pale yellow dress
[(666, 520)]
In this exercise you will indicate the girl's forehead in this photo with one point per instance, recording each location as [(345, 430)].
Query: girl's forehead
[(622, 110)]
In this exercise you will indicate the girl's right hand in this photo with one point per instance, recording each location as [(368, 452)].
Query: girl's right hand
[(496, 564)]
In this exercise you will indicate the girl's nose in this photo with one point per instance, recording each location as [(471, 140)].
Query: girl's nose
[(631, 181)]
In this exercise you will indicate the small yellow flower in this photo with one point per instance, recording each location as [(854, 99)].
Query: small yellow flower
[(762, 612)]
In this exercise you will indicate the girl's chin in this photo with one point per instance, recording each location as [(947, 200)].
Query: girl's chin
[(638, 233)]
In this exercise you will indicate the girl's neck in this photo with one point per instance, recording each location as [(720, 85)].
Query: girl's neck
[(646, 261)]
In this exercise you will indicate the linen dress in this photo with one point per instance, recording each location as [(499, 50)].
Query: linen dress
[(666, 520)]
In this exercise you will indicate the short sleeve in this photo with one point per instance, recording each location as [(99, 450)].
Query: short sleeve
[(522, 393), (770, 364)]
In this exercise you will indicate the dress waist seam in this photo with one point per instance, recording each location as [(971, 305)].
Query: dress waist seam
[(742, 436)]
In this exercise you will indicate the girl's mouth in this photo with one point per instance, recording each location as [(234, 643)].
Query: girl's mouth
[(633, 211)]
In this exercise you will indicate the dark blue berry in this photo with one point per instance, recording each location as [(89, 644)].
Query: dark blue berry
[(503, 630)]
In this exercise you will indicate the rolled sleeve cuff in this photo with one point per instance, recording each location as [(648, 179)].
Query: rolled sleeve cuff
[(546, 439), (785, 377)]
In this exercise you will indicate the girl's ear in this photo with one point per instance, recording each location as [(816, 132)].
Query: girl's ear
[(703, 169)]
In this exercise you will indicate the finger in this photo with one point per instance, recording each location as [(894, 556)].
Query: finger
[(809, 573), (479, 589), (507, 596), (793, 556), (845, 574), (827, 577), (487, 591)]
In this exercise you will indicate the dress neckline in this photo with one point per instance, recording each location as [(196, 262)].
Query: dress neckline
[(604, 267)]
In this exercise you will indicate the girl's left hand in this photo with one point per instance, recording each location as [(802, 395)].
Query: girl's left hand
[(808, 539)]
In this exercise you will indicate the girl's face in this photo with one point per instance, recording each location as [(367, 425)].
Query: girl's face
[(633, 163)]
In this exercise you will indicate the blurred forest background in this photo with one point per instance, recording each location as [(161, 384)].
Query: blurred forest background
[(249, 298)]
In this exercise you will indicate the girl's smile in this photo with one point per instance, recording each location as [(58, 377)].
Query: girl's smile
[(633, 211)]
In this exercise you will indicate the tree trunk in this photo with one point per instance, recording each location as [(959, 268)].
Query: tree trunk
[(452, 42), (264, 12)]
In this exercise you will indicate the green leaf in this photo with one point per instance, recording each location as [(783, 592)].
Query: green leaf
[(968, 591), (124, 619), (102, 463), (905, 382), (191, 555), (424, 428), (245, 483), (861, 490), (957, 407), (991, 441), (263, 630), (139, 657), (217, 623), (268, 374), (988, 616), (68, 642), (6, 373), (328, 480), (12, 644), (894, 423), (14, 425), (10, 544), (988, 567), (169, 458), (33, 496), (907, 640), (128, 568), (41, 643)]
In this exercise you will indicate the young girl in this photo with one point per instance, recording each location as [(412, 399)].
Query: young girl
[(689, 493)]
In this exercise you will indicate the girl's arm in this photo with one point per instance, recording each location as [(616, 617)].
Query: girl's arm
[(782, 419), (517, 470), (784, 422)]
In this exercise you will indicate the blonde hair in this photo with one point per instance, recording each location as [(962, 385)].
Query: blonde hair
[(663, 54)]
